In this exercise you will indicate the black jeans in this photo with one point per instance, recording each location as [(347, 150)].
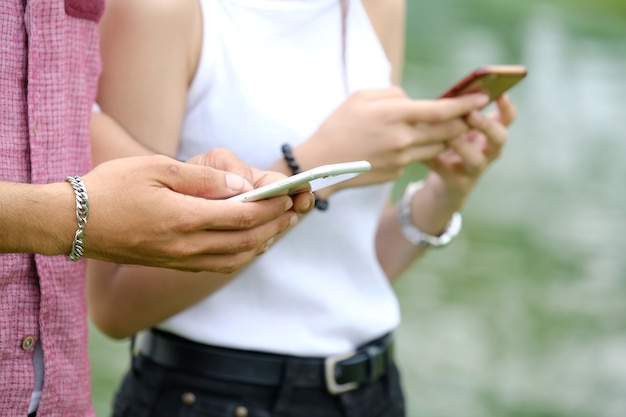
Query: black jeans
[(150, 389)]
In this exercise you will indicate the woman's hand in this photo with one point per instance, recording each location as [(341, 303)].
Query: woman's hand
[(454, 173), (388, 129), (457, 170), (225, 160)]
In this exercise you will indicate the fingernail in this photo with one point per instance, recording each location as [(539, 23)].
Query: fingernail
[(289, 204), (266, 246), (481, 100), (475, 117), (307, 205), (293, 220), (235, 182)]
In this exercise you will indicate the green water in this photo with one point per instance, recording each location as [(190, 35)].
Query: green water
[(524, 315)]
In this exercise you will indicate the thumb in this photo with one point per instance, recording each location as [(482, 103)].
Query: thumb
[(206, 182)]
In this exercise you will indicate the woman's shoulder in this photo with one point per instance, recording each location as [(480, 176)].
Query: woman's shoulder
[(388, 20), (171, 27), (385, 11), (168, 12)]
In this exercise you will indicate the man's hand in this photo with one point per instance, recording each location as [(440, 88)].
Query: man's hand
[(156, 211)]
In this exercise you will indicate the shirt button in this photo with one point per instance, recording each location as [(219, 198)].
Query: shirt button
[(28, 342)]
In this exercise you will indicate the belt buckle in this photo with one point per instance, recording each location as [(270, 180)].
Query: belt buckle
[(329, 374)]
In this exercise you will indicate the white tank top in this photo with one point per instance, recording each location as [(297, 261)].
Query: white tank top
[(270, 72)]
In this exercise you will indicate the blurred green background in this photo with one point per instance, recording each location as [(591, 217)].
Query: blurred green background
[(525, 314)]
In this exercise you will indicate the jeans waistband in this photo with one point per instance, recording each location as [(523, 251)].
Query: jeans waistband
[(336, 374)]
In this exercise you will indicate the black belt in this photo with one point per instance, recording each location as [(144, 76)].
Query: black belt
[(336, 374)]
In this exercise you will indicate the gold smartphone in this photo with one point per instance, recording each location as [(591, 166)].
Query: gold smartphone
[(492, 80)]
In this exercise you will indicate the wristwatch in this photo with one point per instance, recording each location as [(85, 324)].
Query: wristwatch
[(416, 236)]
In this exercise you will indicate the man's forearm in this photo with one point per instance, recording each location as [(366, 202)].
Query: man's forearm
[(36, 218)]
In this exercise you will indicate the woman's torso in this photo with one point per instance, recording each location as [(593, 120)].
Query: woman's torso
[(270, 72)]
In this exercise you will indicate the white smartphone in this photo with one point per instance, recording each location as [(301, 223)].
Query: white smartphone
[(320, 177)]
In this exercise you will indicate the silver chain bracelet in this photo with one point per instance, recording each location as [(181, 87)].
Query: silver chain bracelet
[(82, 210)]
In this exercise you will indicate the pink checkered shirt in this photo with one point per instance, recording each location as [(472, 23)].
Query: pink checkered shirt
[(49, 64)]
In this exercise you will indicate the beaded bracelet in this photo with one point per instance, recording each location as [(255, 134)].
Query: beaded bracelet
[(82, 210), (320, 204)]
